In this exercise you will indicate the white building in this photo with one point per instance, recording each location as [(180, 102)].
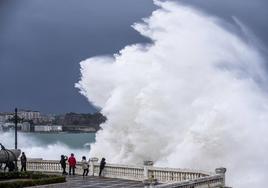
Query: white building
[(5, 116), (26, 127), (29, 115), (2, 119), (11, 125), (48, 128)]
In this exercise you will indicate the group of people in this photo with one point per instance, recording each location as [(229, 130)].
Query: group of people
[(72, 165), (63, 161)]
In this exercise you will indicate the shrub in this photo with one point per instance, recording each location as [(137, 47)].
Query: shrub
[(29, 179)]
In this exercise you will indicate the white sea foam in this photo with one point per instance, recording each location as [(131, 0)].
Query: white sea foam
[(194, 98), (34, 148)]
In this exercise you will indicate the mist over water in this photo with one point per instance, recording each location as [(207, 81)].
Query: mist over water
[(48, 145), (194, 98)]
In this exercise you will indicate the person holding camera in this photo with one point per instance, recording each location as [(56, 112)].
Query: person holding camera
[(63, 160)]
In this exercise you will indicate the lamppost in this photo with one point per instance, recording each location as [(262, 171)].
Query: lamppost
[(16, 120), (16, 129), (16, 135)]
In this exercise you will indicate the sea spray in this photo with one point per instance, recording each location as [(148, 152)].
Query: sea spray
[(193, 98), (34, 147)]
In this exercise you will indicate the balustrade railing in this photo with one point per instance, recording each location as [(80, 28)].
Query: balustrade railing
[(214, 181), (168, 177), (123, 171), (175, 175)]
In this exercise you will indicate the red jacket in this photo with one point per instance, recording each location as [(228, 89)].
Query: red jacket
[(72, 161)]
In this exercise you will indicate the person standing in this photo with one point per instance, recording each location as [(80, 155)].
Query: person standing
[(72, 164), (23, 161), (85, 166), (102, 165), (63, 160)]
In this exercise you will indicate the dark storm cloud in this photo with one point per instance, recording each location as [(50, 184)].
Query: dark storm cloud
[(43, 41)]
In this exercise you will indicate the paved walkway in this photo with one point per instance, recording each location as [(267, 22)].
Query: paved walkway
[(94, 182)]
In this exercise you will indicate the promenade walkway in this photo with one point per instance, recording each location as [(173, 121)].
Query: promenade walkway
[(94, 182)]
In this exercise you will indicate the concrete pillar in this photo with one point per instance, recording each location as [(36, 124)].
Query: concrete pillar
[(92, 162), (147, 165), (146, 178), (221, 171)]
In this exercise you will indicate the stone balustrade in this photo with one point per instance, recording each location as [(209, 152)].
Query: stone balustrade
[(215, 181), (175, 175), (168, 177), (122, 171)]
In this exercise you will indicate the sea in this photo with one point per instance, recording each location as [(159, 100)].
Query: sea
[(50, 145)]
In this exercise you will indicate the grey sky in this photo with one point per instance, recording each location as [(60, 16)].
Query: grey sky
[(43, 41)]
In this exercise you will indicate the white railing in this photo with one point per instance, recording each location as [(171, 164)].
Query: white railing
[(175, 175), (168, 177), (213, 181), (122, 171)]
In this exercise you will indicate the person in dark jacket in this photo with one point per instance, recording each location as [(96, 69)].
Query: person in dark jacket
[(72, 164), (63, 160), (102, 165), (23, 161)]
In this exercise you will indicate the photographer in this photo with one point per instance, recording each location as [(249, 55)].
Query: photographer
[(63, 164)]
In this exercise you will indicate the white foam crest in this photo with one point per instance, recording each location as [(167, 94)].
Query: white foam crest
[(195, 98)]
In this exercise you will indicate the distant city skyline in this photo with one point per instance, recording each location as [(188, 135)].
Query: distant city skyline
[(42, 43)]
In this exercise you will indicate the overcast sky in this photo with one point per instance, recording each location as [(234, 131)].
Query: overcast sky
[(43, 41)]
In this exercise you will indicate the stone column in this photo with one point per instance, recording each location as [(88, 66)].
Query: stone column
[(221, 171), (147, 165), (146, 179), (92, 161)]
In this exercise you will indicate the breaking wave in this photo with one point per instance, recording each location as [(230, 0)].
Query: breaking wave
[(193, 98)]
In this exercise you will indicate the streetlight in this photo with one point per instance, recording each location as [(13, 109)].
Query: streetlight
[(16, 119), (16, 128)]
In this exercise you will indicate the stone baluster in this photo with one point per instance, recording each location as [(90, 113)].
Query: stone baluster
[(93, 162), (221, 171)]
